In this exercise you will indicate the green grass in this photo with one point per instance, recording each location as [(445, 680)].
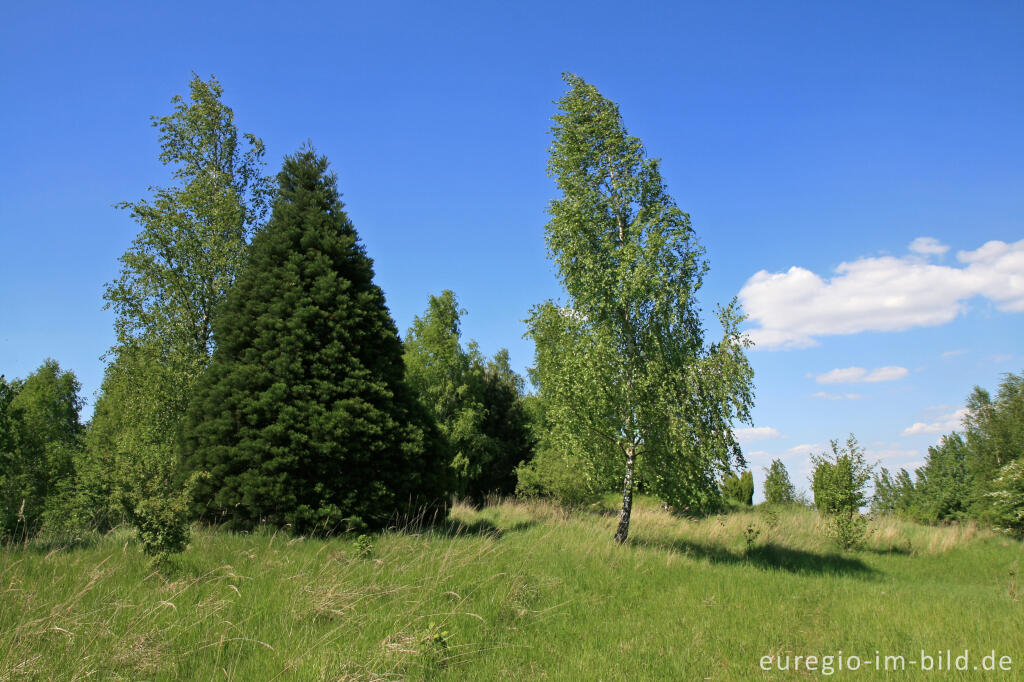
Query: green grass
[(518, 590)]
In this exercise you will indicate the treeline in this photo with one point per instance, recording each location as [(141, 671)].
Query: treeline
[(258, 377), (975, 474)]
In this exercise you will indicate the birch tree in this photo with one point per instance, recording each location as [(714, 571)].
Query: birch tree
[(173, 279), (628, 382)]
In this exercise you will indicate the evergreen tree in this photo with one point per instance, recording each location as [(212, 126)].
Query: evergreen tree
[(507, 425), (304, 417), (738, 489)]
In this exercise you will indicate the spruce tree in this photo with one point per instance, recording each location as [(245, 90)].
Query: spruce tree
[(303, 417)]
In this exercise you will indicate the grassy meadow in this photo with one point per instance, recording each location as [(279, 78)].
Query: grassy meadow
[(517, 590)]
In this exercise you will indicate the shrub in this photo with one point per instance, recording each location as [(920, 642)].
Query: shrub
[(839, 481), (1007, 497)]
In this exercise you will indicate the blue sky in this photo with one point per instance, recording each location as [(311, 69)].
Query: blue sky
[(848, 167)]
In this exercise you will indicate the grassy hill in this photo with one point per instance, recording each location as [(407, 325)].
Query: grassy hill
[(517, 590)]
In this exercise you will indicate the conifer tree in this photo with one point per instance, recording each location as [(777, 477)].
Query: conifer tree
[(303, 417)]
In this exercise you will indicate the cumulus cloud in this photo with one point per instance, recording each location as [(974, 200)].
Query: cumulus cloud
[(946, 423), (882, 293), (857, 375), (750, 435)]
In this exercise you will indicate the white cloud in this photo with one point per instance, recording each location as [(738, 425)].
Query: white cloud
[(928, 246), (945, 424), (749, 435), (802, 450), (836, 396), (953, 353), (882, 293), (856, 375)]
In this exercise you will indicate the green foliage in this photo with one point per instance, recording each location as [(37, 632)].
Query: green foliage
[(738, 489), (162, 519), (553, 472), (892, 494), (960, 474), (364, 546), (839, 481), (778, 489), (750, 535), (1007, 499), (193, 235), (627, 381), (508, 426), (994, 434), (40, 439), (477, 404), (166, 299), (847, 529), (304, 416)]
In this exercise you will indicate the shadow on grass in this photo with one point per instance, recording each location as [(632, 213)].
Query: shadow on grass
[(483, 527), (903, 550), (769, 556)]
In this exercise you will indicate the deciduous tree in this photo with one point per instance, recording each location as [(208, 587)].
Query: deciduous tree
[(477, 403), (173, 280), (778, 489), (40, 437), (623, 369)]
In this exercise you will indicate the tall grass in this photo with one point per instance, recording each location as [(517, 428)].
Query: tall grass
[(516, 590)]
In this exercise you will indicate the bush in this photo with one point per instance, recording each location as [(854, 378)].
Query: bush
[(550, 475), (839, 481), (161, 518), (1007, 498)]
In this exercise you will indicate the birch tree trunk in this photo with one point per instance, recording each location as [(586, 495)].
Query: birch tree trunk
[(627, 500)]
